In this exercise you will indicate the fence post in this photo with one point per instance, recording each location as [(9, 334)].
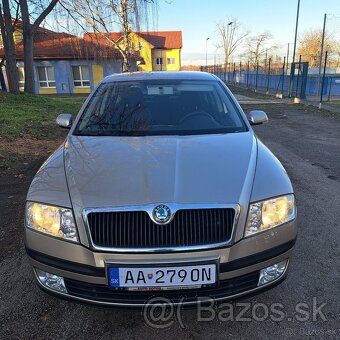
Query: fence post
[(291, 79), (257, 74), (323, 79), (225, 72), (298, 79), (248, 75), (240, 72), (229, 70), (268, 76), (283, 74), (330, 89), (234, 73)]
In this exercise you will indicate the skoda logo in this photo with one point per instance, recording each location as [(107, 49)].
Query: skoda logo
[(161, 213)]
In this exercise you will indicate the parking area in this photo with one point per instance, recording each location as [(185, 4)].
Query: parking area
[(306, 304)]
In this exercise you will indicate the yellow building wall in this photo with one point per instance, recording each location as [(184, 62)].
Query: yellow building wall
[(150, 54), (18, 36), (143, 47), (47, 90), (97, 72), (146, 54), (165, 54), (81, 90)]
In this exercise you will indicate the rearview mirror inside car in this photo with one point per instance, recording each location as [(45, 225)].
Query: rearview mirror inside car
[(257, 117)]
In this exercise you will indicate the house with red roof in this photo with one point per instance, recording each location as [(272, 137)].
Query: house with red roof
[(67, 64), (159, 51)]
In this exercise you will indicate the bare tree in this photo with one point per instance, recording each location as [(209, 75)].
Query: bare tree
[(310, 46), (104, 16), (256, 47), (7, 26), (231, 35), (29, 29)]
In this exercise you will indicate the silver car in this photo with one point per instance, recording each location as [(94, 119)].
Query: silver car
[(161, 189)]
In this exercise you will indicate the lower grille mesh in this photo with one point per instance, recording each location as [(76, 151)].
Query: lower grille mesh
[(103, 293)]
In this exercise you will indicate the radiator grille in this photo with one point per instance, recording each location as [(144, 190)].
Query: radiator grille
[(135, 229)]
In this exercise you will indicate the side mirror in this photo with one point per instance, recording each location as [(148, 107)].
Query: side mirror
[(257, 117), (64, 120)]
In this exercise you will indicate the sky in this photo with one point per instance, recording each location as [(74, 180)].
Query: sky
[(197, 20)]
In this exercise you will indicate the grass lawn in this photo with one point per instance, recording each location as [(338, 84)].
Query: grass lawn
[(249, 93), (333, 103), (33, 116)]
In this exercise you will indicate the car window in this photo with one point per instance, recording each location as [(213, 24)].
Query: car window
[(160, 107)]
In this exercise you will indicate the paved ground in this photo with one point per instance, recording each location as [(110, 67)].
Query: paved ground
[(308, 145)]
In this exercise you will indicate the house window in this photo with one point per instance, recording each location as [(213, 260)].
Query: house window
[(21, 76), (159, 61), (171, 61), (46, 76), (81, 76), (141, 45)]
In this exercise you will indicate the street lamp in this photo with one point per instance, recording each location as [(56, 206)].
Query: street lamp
[(206, 52), (228, 41), (229, 24)]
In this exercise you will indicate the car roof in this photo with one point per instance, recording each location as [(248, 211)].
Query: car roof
[(181, 75)]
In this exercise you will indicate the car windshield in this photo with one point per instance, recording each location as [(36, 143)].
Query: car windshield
[(162, 107)]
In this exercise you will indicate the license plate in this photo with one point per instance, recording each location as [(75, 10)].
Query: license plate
[(170, 276)]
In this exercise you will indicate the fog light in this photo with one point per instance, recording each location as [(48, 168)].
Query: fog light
[(271, 273), (51, 281)]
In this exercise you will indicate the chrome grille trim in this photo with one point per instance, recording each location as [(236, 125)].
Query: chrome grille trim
[(148, 209)]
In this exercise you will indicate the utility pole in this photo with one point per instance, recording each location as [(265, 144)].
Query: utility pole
[(321, 52), (323, 80), (296, 29), (206, 53), (294, 50)]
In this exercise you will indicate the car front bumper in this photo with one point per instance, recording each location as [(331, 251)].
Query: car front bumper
[(84, 270)]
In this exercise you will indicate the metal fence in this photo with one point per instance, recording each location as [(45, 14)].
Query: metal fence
[(280, 79)]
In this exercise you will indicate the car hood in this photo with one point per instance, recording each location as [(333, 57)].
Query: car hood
[(120, 171)]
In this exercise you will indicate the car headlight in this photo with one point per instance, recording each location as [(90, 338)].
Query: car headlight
[(270, 213), (51, 220)]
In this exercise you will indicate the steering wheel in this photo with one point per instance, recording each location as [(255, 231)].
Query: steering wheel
[(193, 114)]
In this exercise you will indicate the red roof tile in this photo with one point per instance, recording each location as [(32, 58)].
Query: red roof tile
[(54, 45), (164, 39), (161, 39), (101, 37)]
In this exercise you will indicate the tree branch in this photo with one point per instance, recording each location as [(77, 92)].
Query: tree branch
[(43, 15)]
